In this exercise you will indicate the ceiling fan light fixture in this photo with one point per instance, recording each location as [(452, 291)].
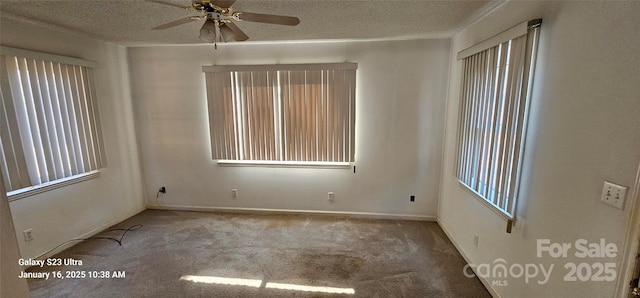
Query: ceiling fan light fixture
[(227, 34), (208, 31)]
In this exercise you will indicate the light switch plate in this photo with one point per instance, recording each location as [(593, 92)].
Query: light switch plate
[(614, 194)]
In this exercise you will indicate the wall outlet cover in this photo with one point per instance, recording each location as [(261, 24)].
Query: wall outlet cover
[(28, 235)]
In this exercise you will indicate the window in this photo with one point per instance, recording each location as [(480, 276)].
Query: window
[(50, 127), (495, 89), (282, 113)]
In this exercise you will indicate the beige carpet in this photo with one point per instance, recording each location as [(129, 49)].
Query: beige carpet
[(197, 254)]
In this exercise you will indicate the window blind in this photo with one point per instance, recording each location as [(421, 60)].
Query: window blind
[(50, 122), (492, 119), (282, 113)]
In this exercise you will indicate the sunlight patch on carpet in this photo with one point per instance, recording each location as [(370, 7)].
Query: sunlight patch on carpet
[(223, 280), (256, 283)]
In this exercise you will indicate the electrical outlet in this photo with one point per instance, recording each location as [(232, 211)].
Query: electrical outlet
[(412, 198), (476, 239), (614, 194), (234, 193), (162, 189), (28, 235), (330, 196)]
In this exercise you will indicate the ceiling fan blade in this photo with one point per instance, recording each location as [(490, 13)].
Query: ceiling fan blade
[(170, 4), (223, 3), (176, 23), (268, 18), (239, 35)]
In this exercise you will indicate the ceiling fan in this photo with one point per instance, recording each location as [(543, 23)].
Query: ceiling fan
[(219, 19)]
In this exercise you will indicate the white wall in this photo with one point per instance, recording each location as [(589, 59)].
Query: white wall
[(10, 284), (584, 129), (87, 207), (401, 92)]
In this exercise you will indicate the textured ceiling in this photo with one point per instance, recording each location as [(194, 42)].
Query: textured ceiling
[(129, 22)]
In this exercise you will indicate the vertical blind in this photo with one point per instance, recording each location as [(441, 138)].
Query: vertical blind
[(492, 115), (50, 126), (300, 114)]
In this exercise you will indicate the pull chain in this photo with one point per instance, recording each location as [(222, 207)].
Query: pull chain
[(218, 37)]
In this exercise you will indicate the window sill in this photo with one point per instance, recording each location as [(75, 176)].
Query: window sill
[(44, 187), (286, 164), (490, 205), (511, 219)]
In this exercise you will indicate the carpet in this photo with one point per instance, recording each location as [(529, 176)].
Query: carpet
[(200, 254)]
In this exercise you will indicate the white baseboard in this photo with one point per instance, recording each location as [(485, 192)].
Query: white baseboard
[(91, 233), (306, 212), (484, 280)]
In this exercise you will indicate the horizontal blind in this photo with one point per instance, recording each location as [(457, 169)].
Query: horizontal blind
[(52, 124), (492, 118), (282, 115)]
